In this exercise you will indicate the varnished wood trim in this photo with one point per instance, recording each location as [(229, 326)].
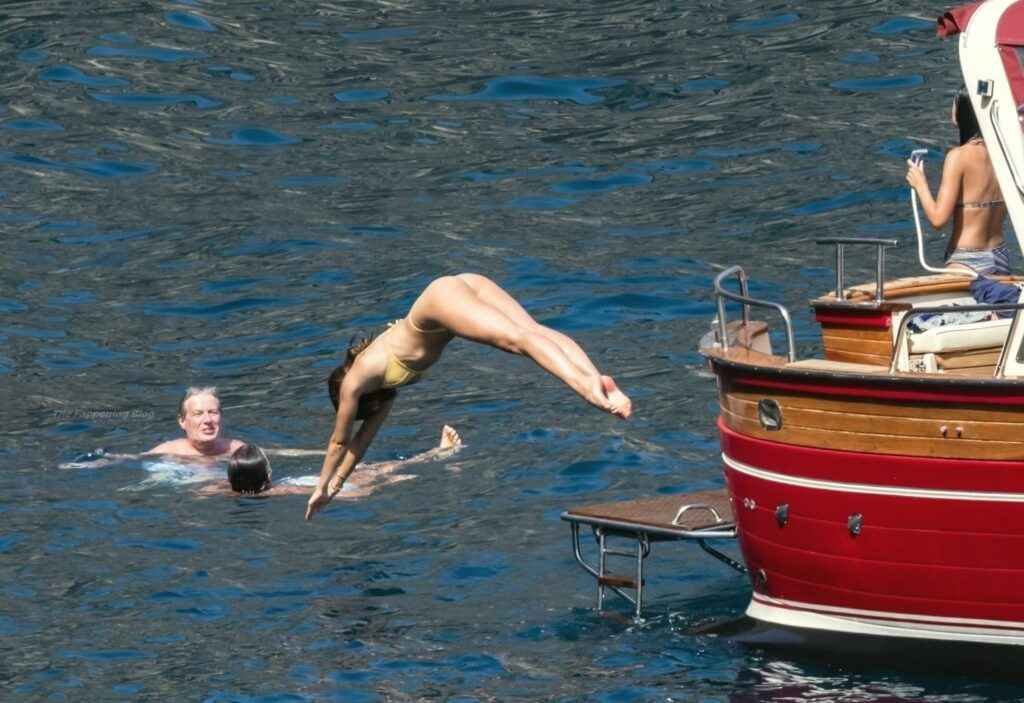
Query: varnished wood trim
[(904, 426), (875, 347), (840, 331), (885, 410), (931, 388), (876, 443), (739, 355), (911, 286), (975, 358), (873, 359)]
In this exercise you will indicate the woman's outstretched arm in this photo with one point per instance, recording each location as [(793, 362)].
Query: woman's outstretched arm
[(343, 449)]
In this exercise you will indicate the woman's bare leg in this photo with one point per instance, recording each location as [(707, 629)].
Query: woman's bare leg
[(452, 302), (493, 294)]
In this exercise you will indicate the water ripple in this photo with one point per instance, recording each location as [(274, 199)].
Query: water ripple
[(254, 137), (190, 20), (150, 53), (70, 74), (151, 100), (516, 88)]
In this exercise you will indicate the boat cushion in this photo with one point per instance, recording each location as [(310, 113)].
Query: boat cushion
[(972, 335)]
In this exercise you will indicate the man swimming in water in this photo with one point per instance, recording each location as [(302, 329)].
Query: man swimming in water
[(199, 416)]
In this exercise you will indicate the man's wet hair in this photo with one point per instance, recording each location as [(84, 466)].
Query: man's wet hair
[(249, 470), (194, 391)]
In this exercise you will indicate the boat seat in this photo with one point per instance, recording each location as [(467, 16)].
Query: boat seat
[(949, 338)]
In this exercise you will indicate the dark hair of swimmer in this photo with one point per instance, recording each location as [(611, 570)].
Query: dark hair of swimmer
[(966, 120), (249, 470), (369, 403)]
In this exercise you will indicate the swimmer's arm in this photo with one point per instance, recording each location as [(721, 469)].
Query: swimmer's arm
[(429, 455), (284, 451), (97, 460)]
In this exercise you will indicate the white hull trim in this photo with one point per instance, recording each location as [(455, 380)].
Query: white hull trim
[(779, 611), (870, 489)]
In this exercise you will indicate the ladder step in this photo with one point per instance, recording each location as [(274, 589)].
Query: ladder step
[(617, 581)]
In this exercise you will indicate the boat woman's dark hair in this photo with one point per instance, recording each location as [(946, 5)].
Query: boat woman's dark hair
[(966, 120), (369, 403), (249, 470)]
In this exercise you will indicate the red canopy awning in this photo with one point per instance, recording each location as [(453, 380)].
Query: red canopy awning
[(1010, 30), (954, 21)]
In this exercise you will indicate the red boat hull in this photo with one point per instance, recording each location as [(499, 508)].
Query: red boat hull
[(880, 543)]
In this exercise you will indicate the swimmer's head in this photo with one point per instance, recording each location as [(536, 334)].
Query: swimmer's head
[(249, 470), (369, 403), (192, 392), (964, 117)]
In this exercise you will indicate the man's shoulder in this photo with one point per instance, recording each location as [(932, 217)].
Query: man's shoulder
[(175, 446)]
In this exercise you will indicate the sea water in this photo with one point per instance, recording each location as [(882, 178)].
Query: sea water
[(225, 193)]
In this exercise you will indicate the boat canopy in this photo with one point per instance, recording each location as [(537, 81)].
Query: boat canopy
[(991, 37), (954, 21)]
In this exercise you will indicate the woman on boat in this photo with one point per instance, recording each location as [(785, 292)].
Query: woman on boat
[(469, 306), (969, 193)]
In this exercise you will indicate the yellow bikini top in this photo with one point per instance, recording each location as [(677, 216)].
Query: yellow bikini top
[(397, 372)]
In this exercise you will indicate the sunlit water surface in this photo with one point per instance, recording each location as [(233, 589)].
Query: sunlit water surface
[(225, 192)]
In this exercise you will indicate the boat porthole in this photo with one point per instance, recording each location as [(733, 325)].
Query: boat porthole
[(770, 414), (782, 514), (854, 523)]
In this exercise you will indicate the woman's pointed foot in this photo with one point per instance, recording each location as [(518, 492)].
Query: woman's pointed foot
[(619, 402), (449, 438)]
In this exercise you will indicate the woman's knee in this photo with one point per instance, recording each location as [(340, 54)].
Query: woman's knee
[(515, 340)]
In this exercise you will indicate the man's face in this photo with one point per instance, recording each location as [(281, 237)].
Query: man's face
[(202, 419)]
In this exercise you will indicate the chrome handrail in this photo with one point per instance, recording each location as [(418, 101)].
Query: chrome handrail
[(840, 242), (901, 331), (721, 294)]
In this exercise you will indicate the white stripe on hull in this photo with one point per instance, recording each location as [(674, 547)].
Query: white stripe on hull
[(870, 488), (866, 622)]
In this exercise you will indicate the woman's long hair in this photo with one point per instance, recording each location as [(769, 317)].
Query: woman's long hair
[(966, 120), (369, 403)]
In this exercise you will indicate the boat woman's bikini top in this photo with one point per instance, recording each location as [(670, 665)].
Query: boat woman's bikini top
[(397, 372), (978, 204)]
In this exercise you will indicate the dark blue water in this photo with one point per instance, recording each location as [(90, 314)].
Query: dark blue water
[(225, 192)]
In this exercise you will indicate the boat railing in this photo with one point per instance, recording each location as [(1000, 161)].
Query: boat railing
[(743, 297), (1008, 353), (880, 244)]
